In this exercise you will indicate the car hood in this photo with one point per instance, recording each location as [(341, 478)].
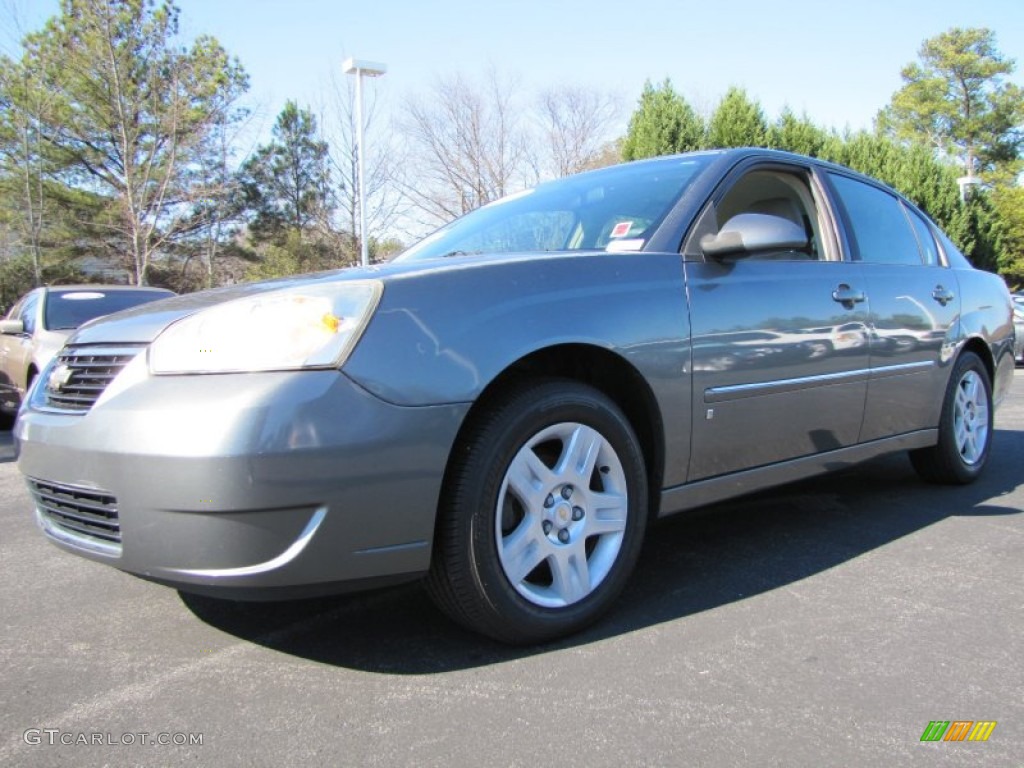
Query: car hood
[(142, 324), (48, 343)]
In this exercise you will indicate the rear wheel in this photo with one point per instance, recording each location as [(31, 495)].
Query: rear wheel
[(965, 428), (543, 516)]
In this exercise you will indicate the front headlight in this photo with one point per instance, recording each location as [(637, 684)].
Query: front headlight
[(303, 327)]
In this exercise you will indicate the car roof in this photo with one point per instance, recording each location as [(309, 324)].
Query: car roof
[(735, 155)]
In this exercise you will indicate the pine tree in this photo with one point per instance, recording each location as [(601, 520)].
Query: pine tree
[(663, 124), (797, 134), (956, 99), (737, 122), (287, 182)]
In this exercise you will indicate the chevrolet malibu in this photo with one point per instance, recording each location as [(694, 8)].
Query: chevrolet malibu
[(504, 409)]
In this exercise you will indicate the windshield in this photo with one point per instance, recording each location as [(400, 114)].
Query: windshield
[(66, 310), (613, 209)]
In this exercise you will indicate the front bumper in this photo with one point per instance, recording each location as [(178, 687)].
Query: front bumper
[(247, 485)]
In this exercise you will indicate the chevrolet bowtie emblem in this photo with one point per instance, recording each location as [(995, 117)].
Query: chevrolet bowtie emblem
[(59, 377)]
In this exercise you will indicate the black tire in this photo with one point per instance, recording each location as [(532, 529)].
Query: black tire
[(576, 534), (965, 427)]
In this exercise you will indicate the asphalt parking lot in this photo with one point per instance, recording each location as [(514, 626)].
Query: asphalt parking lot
[(826, 623)]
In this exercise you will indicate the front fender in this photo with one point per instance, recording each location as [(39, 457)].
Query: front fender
[(442, 336)]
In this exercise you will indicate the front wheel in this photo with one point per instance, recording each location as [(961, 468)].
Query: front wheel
[(543, 515), (965, 427)]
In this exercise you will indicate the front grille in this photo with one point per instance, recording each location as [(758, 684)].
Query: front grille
[(80, 374), (81, 512)]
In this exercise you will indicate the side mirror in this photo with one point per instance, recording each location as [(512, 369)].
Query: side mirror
[(12, 327), (748, 233)]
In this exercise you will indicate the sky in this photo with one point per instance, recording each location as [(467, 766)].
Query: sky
[(839, 62)]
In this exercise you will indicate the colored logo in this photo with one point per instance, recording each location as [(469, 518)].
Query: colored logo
[(958, 730)]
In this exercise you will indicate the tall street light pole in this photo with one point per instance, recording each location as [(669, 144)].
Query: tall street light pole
[(362, 68)]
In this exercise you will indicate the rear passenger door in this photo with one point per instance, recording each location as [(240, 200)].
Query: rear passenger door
[(779, 339), (914, 306)]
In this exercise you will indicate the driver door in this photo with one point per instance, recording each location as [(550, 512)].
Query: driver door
[(779, 339)]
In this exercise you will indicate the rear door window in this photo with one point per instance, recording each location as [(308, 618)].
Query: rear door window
[(876, 224)]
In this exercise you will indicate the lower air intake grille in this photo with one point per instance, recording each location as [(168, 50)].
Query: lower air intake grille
[(83, 513)]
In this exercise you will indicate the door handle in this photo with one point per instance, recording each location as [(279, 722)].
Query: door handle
[(847, 296), (943, 295)]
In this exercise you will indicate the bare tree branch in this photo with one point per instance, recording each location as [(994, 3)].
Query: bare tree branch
[(467, 146)]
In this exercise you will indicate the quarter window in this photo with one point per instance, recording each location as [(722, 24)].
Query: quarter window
[(878, 228), (925, 238)]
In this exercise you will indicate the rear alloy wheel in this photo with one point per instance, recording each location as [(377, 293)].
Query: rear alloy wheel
[(544, 514), (965, 428)]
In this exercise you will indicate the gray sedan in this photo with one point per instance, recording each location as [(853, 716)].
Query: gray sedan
[(504, 409)]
